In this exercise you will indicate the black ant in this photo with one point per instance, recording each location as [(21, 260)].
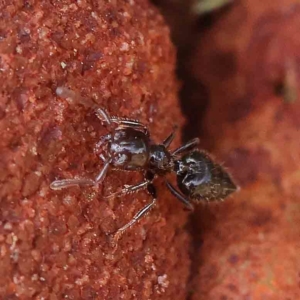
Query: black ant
[(130, 148)]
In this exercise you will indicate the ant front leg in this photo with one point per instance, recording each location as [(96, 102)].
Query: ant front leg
[(65, 183), (140, 214)]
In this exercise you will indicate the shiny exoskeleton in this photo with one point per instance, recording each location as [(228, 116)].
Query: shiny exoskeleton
[(129, 147)]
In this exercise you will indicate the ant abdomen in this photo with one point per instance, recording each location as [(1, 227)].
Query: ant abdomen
[(200, 178)]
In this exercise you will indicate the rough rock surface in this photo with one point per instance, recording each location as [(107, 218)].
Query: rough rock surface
[(55, 245), (249, 63)]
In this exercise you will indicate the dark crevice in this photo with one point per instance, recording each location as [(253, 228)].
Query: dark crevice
[(186, 31), (200, 222)]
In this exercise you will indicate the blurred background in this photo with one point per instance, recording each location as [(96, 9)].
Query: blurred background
[(238, 65)]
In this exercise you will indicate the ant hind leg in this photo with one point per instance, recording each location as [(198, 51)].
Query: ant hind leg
[(140, 214), (180, 197)]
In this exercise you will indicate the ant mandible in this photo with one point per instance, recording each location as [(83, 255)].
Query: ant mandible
[(130, 148)]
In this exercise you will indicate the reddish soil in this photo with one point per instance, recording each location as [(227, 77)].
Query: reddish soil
[(55, 245)]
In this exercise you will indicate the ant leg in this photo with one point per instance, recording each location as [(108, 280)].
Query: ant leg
[(140, 214), (103, 115), (65, 183), (129, 189), (129, 123), (66, 93), (188, 146), (73, 97), (167, 142), (122, 122), (100, 177), (179, 196)]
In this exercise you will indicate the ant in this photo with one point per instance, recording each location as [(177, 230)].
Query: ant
[(129, 147)]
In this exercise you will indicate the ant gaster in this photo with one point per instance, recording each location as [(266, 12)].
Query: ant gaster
[(129, 147)]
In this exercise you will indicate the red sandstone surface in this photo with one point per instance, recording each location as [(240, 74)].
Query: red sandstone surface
[(55, 245)]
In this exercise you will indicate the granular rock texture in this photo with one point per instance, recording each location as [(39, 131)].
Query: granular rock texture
[(55, 245), (249, 63)]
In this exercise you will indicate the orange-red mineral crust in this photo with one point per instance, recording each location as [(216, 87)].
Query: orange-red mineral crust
[(249, 63), (55, 244)]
